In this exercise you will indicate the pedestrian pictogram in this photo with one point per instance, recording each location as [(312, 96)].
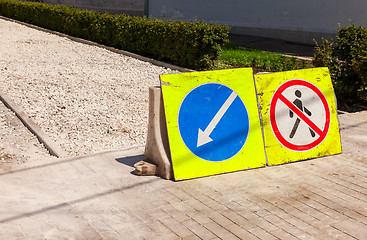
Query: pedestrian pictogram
[(298, 103), (299, 115), (213, 122)]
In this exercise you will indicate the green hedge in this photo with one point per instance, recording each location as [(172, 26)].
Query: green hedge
[(190, 44), (346, 59)]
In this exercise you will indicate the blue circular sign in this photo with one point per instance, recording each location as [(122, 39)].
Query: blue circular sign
[(213, 122)]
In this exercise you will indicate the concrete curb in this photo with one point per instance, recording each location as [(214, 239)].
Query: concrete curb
[(123, 52), (157, 146), (51, 146)]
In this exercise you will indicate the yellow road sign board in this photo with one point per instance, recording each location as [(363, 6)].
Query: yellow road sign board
[(212, 122), (299, 115)]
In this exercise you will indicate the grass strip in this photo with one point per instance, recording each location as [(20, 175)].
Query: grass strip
[(235, 56)]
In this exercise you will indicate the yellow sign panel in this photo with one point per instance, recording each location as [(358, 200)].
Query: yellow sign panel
[(212, 122), (299, 115)]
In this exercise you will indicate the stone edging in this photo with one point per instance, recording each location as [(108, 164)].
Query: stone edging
[(50, 145)]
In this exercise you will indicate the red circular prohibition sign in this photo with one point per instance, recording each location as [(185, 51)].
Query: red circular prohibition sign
[(279, 97)]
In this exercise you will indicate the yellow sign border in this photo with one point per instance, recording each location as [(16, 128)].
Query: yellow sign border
[(267, 84), (185, 164)]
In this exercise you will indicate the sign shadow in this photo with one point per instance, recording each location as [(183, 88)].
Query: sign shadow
[(130, 160)]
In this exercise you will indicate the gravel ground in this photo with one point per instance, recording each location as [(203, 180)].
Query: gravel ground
[(86, 98), (18, 146)]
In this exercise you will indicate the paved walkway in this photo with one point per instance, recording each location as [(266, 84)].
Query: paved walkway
[(97, 197)]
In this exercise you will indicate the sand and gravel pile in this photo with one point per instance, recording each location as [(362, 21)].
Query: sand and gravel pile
[(86, 98)]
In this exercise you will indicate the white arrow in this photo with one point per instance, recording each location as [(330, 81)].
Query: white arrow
[(203, 136)]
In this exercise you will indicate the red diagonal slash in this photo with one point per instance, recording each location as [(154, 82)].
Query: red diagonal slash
[(300, 114)]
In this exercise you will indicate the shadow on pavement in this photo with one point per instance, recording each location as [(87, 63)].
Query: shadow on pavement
[(131, 160)]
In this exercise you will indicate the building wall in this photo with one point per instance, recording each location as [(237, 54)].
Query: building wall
[(292, 20), (131, 7)]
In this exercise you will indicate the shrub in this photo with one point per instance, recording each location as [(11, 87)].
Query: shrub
[(189, 44), (347, 62)]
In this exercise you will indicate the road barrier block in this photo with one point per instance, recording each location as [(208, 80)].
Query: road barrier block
[(210, 122)]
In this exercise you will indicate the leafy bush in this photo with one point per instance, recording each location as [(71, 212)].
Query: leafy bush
[(347, 62), (189, 44)]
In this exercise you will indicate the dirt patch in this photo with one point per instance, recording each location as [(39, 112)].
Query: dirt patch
[(6, 161)]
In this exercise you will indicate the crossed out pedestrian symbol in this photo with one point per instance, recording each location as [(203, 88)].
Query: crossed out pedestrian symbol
[(299, 115)]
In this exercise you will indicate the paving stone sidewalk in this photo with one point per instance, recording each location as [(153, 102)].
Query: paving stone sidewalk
[(97, 197)]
